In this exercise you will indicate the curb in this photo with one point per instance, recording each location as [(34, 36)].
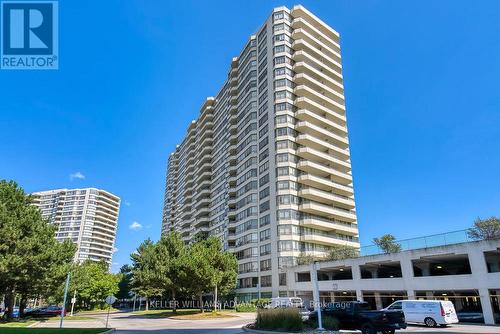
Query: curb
[(108, 331), (258, 331)]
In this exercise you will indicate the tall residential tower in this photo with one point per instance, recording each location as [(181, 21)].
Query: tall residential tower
[(88, 217), (266, 166)]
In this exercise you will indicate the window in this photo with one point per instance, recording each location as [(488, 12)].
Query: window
[(265, 281), (264, 154), (265, 265), (264, 206), (265, 235), (264, 167), (282, 279), (263, 194), (264, 180), (265, 249), (288, 245), (263, 221), (396, 306)]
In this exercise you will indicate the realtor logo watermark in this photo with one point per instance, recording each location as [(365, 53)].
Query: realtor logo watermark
[(29, 32)]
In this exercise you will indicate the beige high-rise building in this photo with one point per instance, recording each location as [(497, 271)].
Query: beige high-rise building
[(88, 217), (266, 165)]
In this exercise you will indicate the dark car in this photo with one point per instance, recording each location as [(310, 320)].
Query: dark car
[(48, 311), (357, 315), (465, 316)]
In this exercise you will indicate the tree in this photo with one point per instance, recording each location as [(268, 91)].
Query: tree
[(93, 282), (342, 252), (171, 264), (198, 269), (223, 271), (31, 259), (387, 243), (210, 268), (485, 229), (125, 284), (144, 277)]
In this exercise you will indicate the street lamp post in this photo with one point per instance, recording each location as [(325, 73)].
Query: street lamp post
[(317, 302), (63, 310)]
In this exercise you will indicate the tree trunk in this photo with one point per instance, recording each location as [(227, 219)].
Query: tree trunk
[(201, 303), (147, 304), (174, 310), (9, 304), (22, 305), (215, 299)]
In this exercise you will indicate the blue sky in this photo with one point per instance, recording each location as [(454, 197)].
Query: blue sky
[(422, 85)]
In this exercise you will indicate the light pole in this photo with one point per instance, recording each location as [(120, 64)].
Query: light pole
[(317, 302), (63, 310)]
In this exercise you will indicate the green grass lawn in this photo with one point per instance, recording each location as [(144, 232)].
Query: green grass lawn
[(97, 311), (19, 323), (19, 330)]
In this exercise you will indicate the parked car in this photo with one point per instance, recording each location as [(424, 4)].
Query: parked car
[(48, 311), (358, 315), (428, 312), (468, 316)]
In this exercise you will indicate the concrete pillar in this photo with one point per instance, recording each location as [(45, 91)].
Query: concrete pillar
[(429, 295), (411, 294), (374, 273), (484, 295), (359, 295), (378, 300)]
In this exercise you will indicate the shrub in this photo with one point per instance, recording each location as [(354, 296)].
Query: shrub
[(246, 307), (280, 319)]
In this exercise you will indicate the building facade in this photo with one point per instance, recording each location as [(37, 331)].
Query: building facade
[(466, 273), (266, 165), (88, 217)]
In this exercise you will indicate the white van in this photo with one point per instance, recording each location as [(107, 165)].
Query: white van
[(285, 302), (428, 312)]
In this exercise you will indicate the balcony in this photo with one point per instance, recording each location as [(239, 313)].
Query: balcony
[(326, 56), (323, 32), (308, 104), (319, 41), (325, 224), (323, 157), (327, 240), (321, 120), (303, 56), (326, 197), (335, 94), (321, 145), (323, 181), (326, 210), (318, 97)]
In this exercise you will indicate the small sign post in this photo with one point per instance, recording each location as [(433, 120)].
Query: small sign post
[(73, 301), (109, 300)]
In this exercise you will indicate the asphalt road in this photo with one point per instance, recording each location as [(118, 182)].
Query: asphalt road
[(127, 323)]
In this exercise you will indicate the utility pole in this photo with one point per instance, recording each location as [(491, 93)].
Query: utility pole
[(318, 299), (63, 309)]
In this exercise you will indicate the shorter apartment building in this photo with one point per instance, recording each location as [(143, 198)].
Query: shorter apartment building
[(467, 273), (88, 217)]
